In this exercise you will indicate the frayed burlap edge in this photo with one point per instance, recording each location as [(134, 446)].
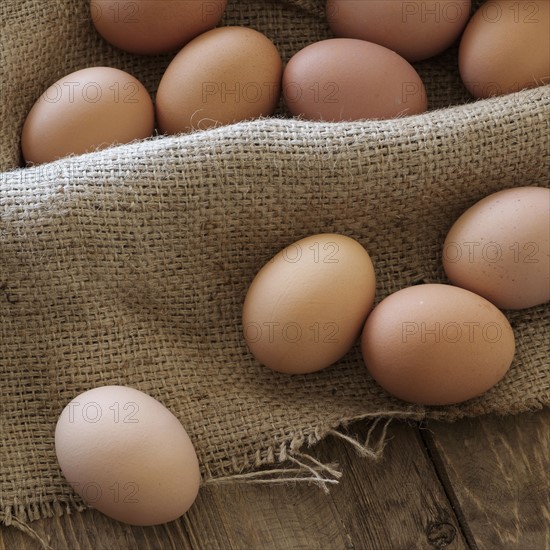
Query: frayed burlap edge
[(287, 464), (290, 463)]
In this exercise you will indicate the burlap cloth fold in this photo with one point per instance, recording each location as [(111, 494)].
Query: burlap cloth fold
[(129, 266)]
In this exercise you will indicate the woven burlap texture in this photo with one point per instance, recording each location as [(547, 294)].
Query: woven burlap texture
[(130, 266)]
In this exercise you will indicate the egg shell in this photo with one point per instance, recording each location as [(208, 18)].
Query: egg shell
[(223, 76), (127, 455), (154, 27), (506, 47), (500, 248), (343, 79), (415, 29), (306, 306), (85, 111), (437, 344)]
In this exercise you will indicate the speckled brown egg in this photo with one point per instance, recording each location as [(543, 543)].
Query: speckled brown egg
[(437, 344), (223, 76), (306, 306), (154, 26), (500, 248), (85, 111), (343, 79), (506, 47), (127, 455), (415, 29)]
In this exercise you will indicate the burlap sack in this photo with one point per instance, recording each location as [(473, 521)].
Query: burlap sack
[(129, 266)]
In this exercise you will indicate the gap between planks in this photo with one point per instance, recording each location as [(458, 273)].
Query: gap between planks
[(434, 458)]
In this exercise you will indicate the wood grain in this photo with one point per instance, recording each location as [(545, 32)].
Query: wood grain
[(397, 502), (496, 470), (479, 483)]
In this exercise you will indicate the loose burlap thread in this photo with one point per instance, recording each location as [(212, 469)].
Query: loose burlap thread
[(130, 265)]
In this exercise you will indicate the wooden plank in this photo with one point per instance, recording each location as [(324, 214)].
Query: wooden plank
[(270, 517), (397, 502), (496, 470)]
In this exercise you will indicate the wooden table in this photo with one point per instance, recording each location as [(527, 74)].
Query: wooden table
[(481, 483)]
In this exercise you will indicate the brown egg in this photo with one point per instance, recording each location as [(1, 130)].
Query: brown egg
[(86, 111), (344, 79), (127, 455), (500, 248), (154, 26), (415, 29), (437, 344), (506, 47), (225, 75), (306, 307)]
